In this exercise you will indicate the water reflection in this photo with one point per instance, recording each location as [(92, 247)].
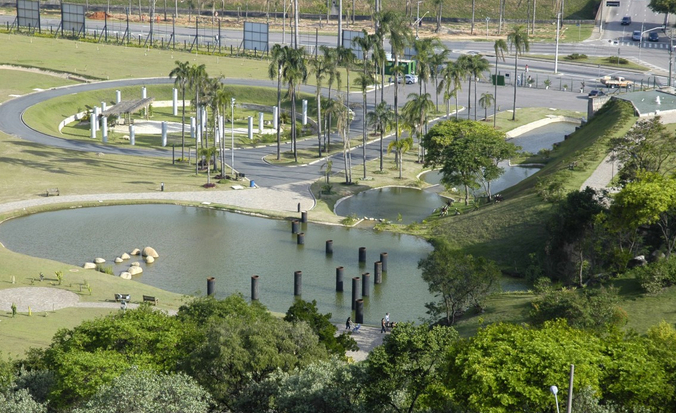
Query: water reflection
[(389, 203)]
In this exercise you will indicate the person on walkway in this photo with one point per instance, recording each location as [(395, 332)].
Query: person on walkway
[(348, 323), (387, 318), (382, 326)]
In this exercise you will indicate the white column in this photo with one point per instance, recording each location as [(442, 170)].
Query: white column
[(221, 122), (92, 124), (103, 107), (304, 112), (204, 117), (192, 127), (97, 112), (104, 128), (175, 102), (118, 97), (261, 125), (132, 135), (250, 127), (164, 134), (144, 93), (275, 116)]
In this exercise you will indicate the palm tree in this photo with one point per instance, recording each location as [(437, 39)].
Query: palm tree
[(437, 62), (486, 101), (518, 40), (415, 111), (294, 72), (381, 120), (219, 97), (399, 31), (207, 154), (451, 82), (477, 66), (438, 4), (380, 59), (346, 58), (278, 57), (319, 68), (342, 113), (500, 47), (424, 50), (400, 147), (197, 81), (364, 80), (181, 72), (331, 59)]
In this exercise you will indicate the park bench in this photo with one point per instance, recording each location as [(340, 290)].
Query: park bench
[(52, 192), (122, 297), (150, 299)]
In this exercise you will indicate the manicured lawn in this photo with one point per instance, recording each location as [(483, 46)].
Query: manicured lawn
[(19, 82)]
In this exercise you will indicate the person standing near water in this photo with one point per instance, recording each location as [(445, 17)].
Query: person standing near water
[(382, 326)]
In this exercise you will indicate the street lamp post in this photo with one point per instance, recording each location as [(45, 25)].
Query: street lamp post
[(487, 20), (232, 135), (417, 20), (555, 391), (556, 52)]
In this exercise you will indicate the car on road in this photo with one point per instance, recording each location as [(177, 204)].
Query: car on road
[(636, 35), (654, 37), (595, 93), (626, 21), (411, 79)]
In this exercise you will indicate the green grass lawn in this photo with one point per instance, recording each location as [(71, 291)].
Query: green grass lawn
[(18, 82), (602, 61)]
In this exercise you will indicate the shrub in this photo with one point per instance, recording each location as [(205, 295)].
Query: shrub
[(106, 269), (616, 60), (576, 56), (655, 277), (350, 220)]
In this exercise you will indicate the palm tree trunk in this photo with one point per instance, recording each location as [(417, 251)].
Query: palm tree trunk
[(495, 92), (279, 110), (319, 120), (293, 123)]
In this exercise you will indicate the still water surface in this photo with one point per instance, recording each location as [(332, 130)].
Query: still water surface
[(196, 243)]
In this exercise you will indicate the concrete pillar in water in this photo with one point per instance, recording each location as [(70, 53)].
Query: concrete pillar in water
[(383, 259), (211, 286), (144, 93), (303, 217), (359, 310), (362, 254), (104, 129), (339, 279), (329, 247), (254, 287), (378, 271), (132, 135), (356, 291), (304, 112), (261, 125), (298, 283), (192, 127), (365, 284), (164, 133), (103, 107), (275, 116), (294, 226), (250, 128), (118, 97), (301, 238), (174, 101)]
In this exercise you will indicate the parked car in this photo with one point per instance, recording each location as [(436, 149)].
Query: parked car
[(626, 21), (595, 93), (654, 37), (636, 35), (411, 79)]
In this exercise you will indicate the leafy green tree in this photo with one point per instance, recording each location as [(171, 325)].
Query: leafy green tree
[(494, 149), (656, 276), (202, 310), (518, 42), (239, 350), (181, 72), (458, 280), (323, 387), (20, 401), (142, 391), (663, 6), (500, 47), (401, 371), (304, 311)]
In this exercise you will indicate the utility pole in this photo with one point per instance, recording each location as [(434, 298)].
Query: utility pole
[(417, 20), (671, 51), (556, 53), (340, 23)]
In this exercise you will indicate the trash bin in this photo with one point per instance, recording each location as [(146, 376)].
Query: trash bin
[(252, 184), (241, 175)]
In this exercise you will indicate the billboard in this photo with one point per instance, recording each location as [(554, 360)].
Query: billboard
[(72, 18), (28, 14), (349, 43), (256, 36)]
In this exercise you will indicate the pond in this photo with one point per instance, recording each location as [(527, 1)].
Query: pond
[(390, 203), (196, 243), (512, 176), (543, 137)]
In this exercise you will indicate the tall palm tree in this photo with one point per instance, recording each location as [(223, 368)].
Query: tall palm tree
[(400, 147), (438, 4), (181, 72), (381, 119), (277, 59), (424, 50), (196, 81), (364, 80), (380, 59), (294, 72), (465, 64), (477, 66), (319, 69), (207, 154), (218, 97), (415, 111), (342, 114), (518, 41), (486, 101), (346, 59), (500, 47), (451, 83), (437, 62), (399, 31), (331, 58)]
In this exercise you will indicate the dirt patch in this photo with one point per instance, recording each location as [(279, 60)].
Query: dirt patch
[(37, 298)]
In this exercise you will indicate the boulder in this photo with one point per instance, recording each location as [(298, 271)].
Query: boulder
[(118, 260), (638, 261), (136, 264), (125, 275), (150, 260), (136, 251), (135, 270), (99, 260), (89, 266), (150, 252), (125, 256)]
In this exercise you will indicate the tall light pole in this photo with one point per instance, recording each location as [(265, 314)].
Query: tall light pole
[(417, 20), (555, 391), (556, 53), (232, 135), (487, 20)]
